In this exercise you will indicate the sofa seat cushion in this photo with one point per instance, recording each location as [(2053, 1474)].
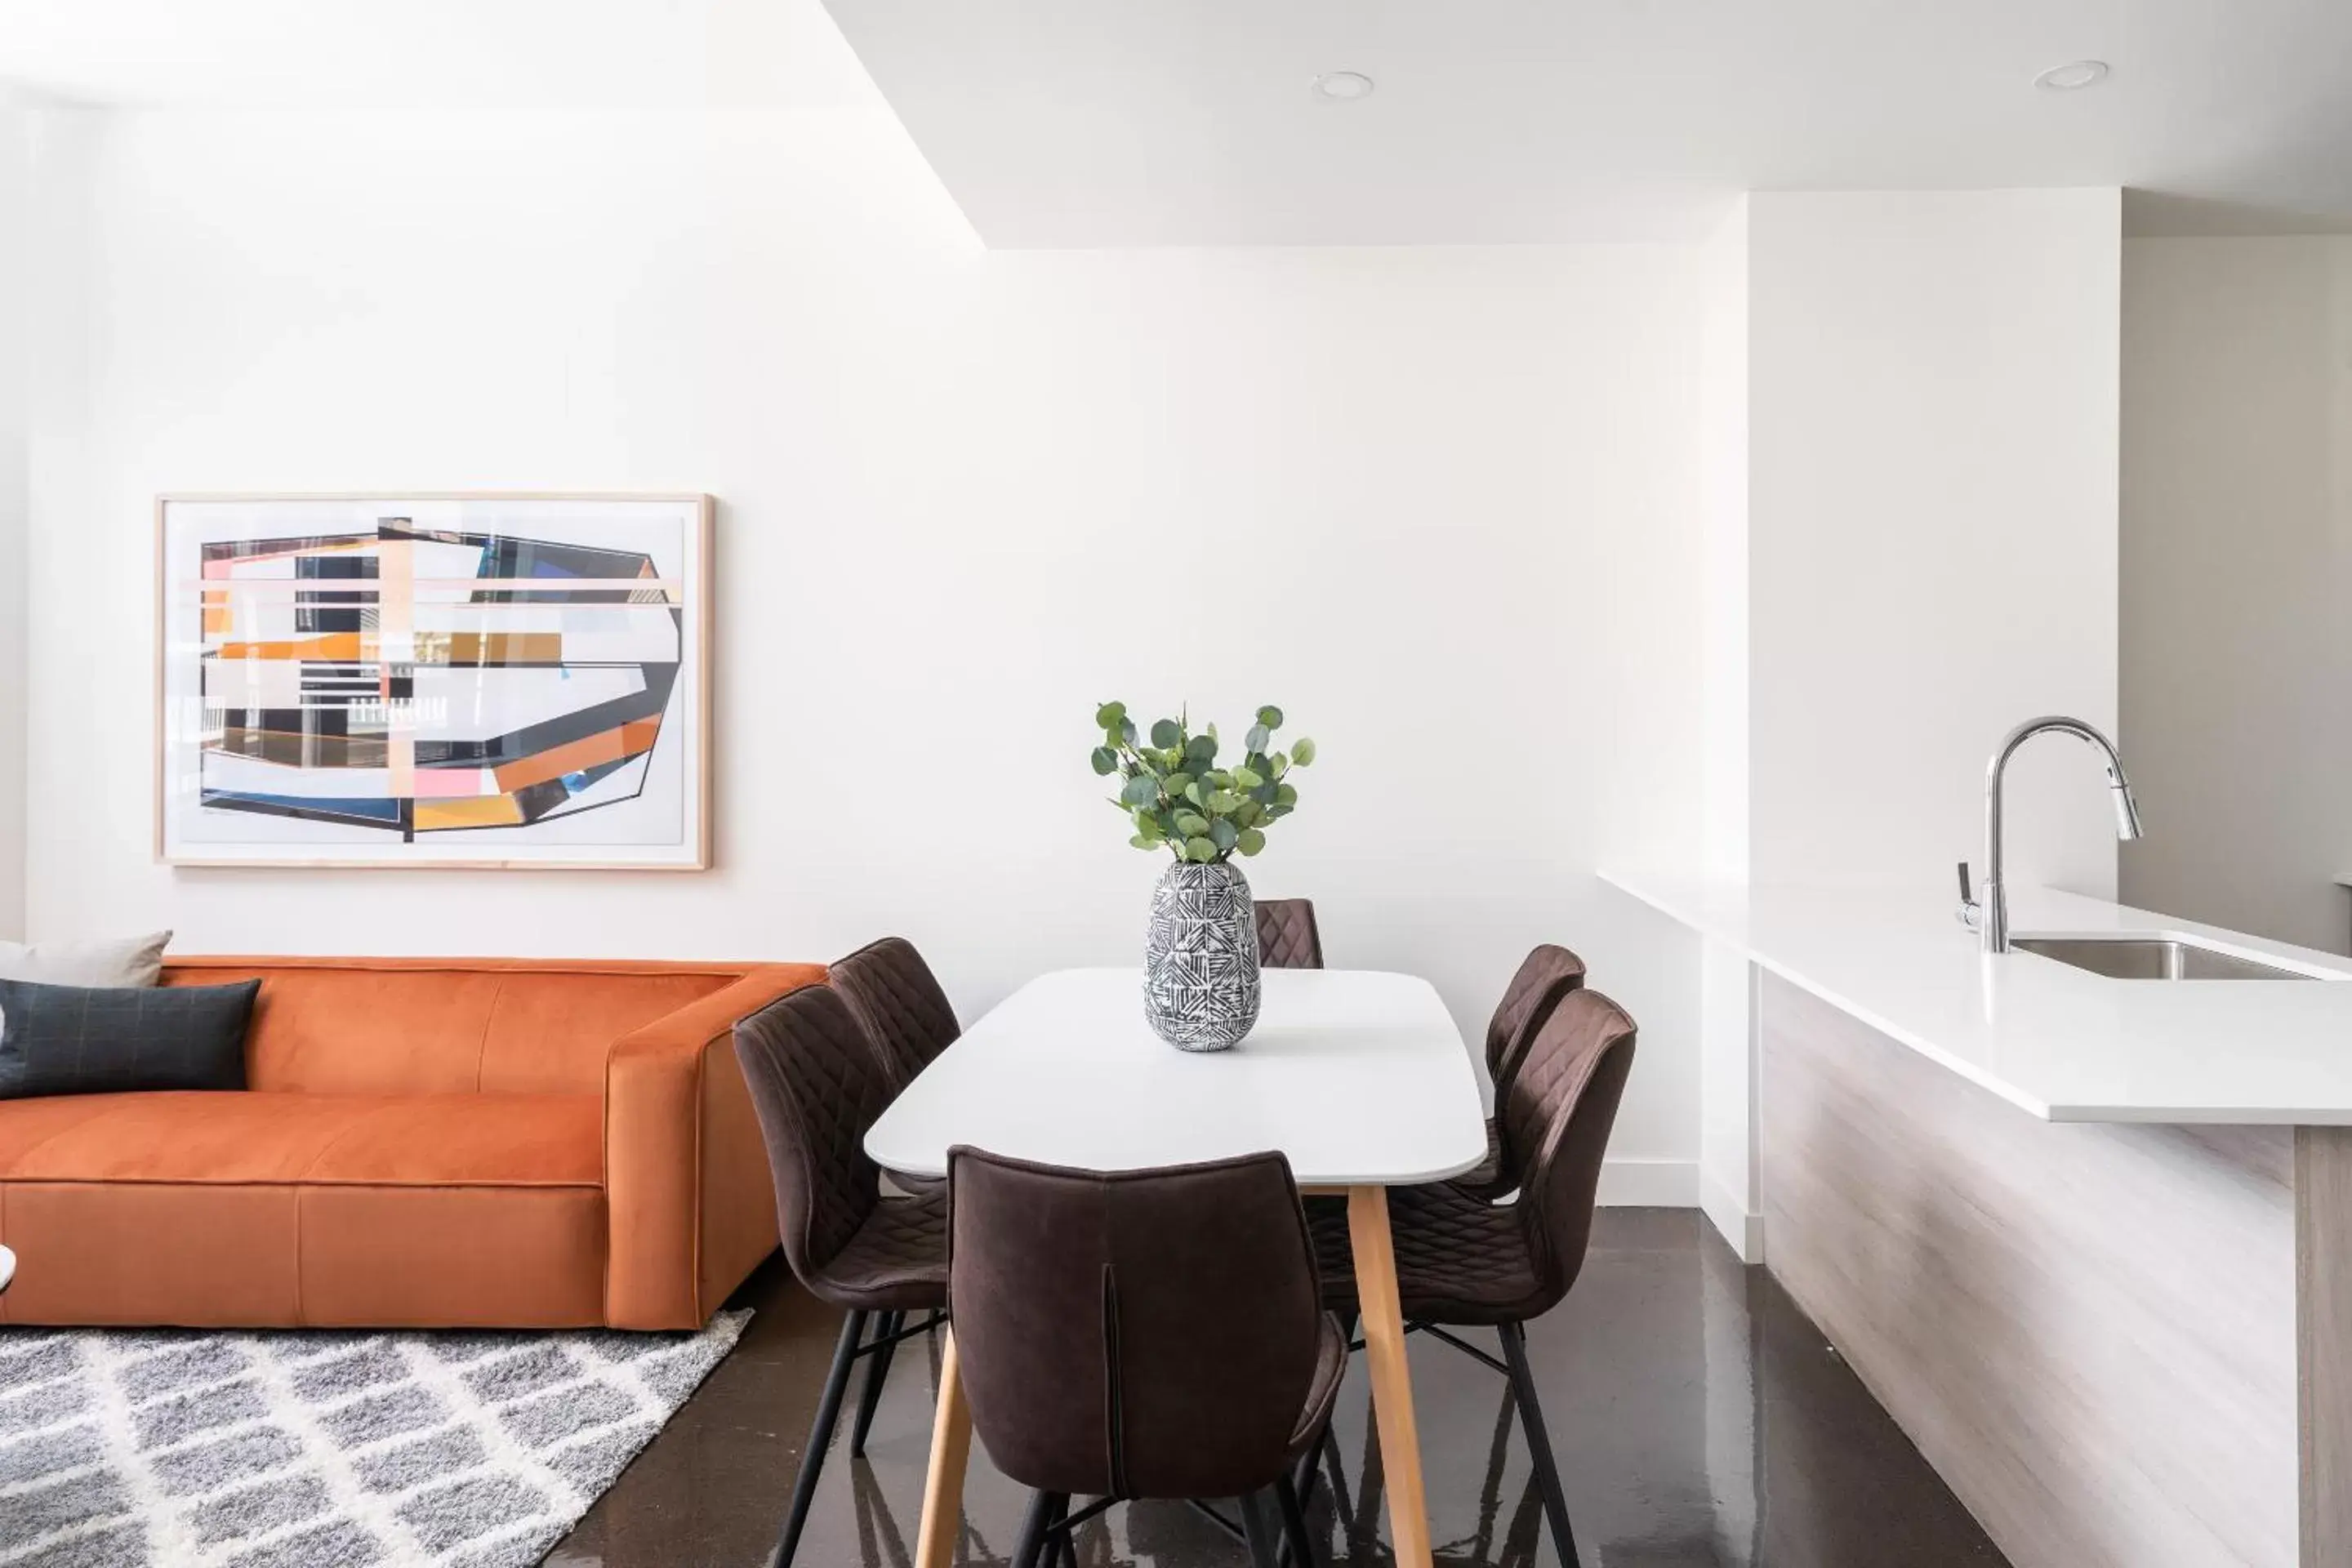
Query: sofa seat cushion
[(432, 1139), (305, 1210)]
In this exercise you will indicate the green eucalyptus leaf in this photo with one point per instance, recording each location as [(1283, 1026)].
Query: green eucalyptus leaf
[(1175, 795)]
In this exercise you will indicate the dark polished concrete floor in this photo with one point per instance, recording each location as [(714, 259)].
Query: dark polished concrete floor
[(1700, 1420)]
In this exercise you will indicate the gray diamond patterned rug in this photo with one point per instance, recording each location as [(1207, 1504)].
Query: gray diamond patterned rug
[(179, 1449)]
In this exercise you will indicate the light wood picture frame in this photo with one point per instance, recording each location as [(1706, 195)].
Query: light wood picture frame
[(482, 679)]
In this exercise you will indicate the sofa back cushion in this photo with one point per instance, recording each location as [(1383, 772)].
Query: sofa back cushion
[(424, 1026)]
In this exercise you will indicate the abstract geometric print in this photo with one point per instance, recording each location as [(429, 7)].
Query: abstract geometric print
[(420, 681), (347, 679)]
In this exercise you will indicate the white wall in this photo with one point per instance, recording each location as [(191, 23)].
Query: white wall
[(965, 497), (2237, 581), (1933, 437), (1729, 1188), (16, 133), (1907, 448)]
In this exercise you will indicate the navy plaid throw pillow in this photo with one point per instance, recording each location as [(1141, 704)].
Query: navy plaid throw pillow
[(70, 1039)]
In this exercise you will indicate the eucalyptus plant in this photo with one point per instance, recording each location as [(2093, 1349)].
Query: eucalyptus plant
[(1178, 796)]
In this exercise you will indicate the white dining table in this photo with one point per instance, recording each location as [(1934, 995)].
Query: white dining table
[(1358, 1076)]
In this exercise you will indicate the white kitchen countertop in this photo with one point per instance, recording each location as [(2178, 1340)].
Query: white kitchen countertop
[(2056, 1041)]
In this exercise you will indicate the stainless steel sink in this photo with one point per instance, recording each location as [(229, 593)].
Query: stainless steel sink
[(2151, 958)]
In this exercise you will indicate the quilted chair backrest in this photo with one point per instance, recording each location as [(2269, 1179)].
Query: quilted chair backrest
[(1557, 1121), (895, 996), (1548, 973), (430, 1025), (817, 1084), (1137, 1333), (1287, 935)]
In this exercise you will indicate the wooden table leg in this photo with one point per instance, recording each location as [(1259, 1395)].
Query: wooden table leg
[(1383, 1325), (951, 1449)]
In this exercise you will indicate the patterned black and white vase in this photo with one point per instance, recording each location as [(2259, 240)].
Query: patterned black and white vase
[(1200, 957)]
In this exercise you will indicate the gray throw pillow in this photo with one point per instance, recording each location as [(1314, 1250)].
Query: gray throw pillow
[(111, 960), (71, 1039)]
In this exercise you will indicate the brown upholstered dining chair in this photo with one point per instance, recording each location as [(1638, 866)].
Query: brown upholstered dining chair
[(895, 996), (1464, 1261), (1548, 973), (817, 1083), (1287, 935), (1141, 1334), (911, 1021)]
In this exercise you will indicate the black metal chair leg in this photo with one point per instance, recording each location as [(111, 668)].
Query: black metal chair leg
[(1034, 1527), (1263, 1534), (878, 1367), (1342, 1510), (1523, 1387), (1063, 1550), (828, 1411), (1305, 1477), (1294, 1524)]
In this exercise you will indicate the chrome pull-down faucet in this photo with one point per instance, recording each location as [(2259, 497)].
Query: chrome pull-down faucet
[(1988, 914)]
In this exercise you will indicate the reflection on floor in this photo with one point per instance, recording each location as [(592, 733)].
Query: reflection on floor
[(1700, 1420)]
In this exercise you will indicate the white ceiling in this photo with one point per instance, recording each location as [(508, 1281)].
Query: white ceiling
[(1108, 122), (1104, 123), (469, 54)]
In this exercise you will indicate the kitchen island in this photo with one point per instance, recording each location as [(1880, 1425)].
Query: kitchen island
[(2088, 1240)]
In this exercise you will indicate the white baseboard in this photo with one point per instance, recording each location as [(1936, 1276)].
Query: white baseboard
[(1649, 1184), (1743, 1229)]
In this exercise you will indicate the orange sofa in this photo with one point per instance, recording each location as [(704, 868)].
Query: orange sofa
[(423, 1143)]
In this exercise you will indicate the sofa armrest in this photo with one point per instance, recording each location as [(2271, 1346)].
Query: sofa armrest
[(689, 1204)]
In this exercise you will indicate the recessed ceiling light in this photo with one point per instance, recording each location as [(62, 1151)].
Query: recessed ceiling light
[(2072, 75), (1343, 87)]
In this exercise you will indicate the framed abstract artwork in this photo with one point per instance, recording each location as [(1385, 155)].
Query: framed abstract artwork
[(434, 680)]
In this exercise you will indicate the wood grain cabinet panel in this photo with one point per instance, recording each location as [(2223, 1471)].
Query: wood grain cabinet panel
[(2089, 1330)]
